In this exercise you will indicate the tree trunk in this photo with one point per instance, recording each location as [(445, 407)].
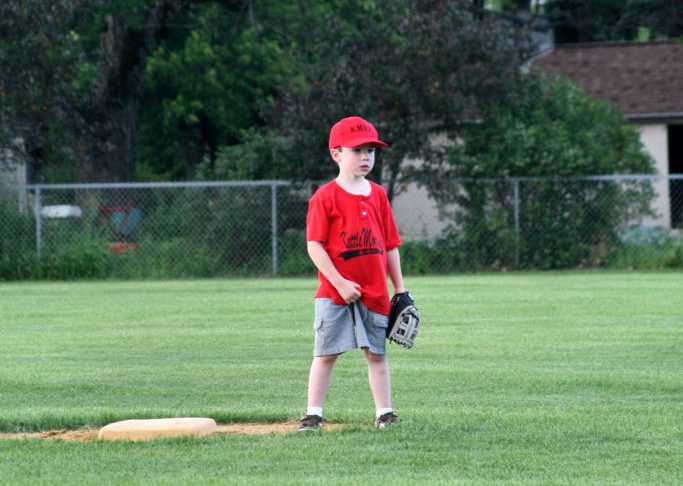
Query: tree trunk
[(121, 77), (523, 5)]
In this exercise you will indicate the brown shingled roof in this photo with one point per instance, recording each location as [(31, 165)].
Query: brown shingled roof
[(644, 78)]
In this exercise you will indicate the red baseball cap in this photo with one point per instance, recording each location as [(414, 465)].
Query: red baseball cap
[(353, 132)]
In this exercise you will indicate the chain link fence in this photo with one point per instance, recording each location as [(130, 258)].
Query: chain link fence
[(174, 230), (152, 230), (547, 223)]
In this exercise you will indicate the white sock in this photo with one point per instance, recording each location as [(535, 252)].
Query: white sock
[(382, 411), (314, 411)]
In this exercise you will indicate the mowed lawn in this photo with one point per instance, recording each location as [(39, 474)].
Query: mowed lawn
[(530, 378)]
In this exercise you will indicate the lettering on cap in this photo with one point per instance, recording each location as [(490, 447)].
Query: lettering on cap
[(356, 130)]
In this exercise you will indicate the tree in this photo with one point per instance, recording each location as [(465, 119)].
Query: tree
[(609, 20), (426, 67), (73, 93), (211, 87), (659, 17), (43, 81), (513, 5), (588, 21), (204, 88), (125, 49), (95, 85), (551, 130)]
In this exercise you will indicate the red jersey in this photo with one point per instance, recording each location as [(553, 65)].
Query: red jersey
[(356, 231)]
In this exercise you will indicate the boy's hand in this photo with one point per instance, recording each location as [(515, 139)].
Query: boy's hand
[(350, 291)]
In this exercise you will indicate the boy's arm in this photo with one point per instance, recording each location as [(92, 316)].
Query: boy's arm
[(394, 269), (349, 291)]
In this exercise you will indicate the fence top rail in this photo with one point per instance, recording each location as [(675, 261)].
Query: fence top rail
[(147, 185), (613, 177), (276, 183)]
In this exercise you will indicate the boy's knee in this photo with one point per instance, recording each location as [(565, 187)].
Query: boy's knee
[(373, 357), (327, 359)]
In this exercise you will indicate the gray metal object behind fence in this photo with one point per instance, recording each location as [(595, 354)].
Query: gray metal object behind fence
[(258, 227)]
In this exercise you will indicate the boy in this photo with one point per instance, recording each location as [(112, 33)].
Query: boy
[(353, 241)]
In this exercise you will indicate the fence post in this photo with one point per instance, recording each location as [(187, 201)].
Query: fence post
[(273, 216), (39, 223), (515, 185)]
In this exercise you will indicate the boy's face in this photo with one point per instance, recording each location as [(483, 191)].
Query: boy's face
[(355, 162)]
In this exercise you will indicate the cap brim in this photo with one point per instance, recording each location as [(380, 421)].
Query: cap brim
[(357, 142)]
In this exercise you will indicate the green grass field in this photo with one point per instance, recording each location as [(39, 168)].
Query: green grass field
[(541, 378)]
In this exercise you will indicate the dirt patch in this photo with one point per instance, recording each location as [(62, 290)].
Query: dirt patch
[(83, 435), (270, 428), (65, 434)]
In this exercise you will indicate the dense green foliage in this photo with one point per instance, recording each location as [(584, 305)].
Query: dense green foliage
[(553, 130), (425, 67), (148, 89), (204, 89), (151, 89), (600, 20), (522, 379), (45, 82), (613, 20)]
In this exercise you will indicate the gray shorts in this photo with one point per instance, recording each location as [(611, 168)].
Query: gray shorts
[(341, 328)]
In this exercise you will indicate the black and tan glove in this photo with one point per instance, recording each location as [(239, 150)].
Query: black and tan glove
[(404, 320)]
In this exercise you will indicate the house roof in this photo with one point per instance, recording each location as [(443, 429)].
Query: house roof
[(644, 78)]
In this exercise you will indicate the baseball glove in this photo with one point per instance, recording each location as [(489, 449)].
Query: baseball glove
[(404, 320)]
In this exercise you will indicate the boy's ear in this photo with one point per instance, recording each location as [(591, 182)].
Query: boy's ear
[(335, 152)]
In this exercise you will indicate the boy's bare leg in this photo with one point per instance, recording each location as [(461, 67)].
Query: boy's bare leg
[(319, 379), (380, 378)]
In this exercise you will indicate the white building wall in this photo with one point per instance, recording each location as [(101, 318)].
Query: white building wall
[(13, 168), (14, 171), (655, 140), (417, 214)]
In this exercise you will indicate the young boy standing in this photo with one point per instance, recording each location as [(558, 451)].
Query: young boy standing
[(353, 240)]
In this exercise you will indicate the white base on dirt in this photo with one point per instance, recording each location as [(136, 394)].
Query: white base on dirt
[(148, 429)]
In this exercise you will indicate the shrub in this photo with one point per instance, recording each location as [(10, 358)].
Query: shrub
[(550, 130), (648, 249)]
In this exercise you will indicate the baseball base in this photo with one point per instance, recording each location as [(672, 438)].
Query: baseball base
[(154, 428)]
